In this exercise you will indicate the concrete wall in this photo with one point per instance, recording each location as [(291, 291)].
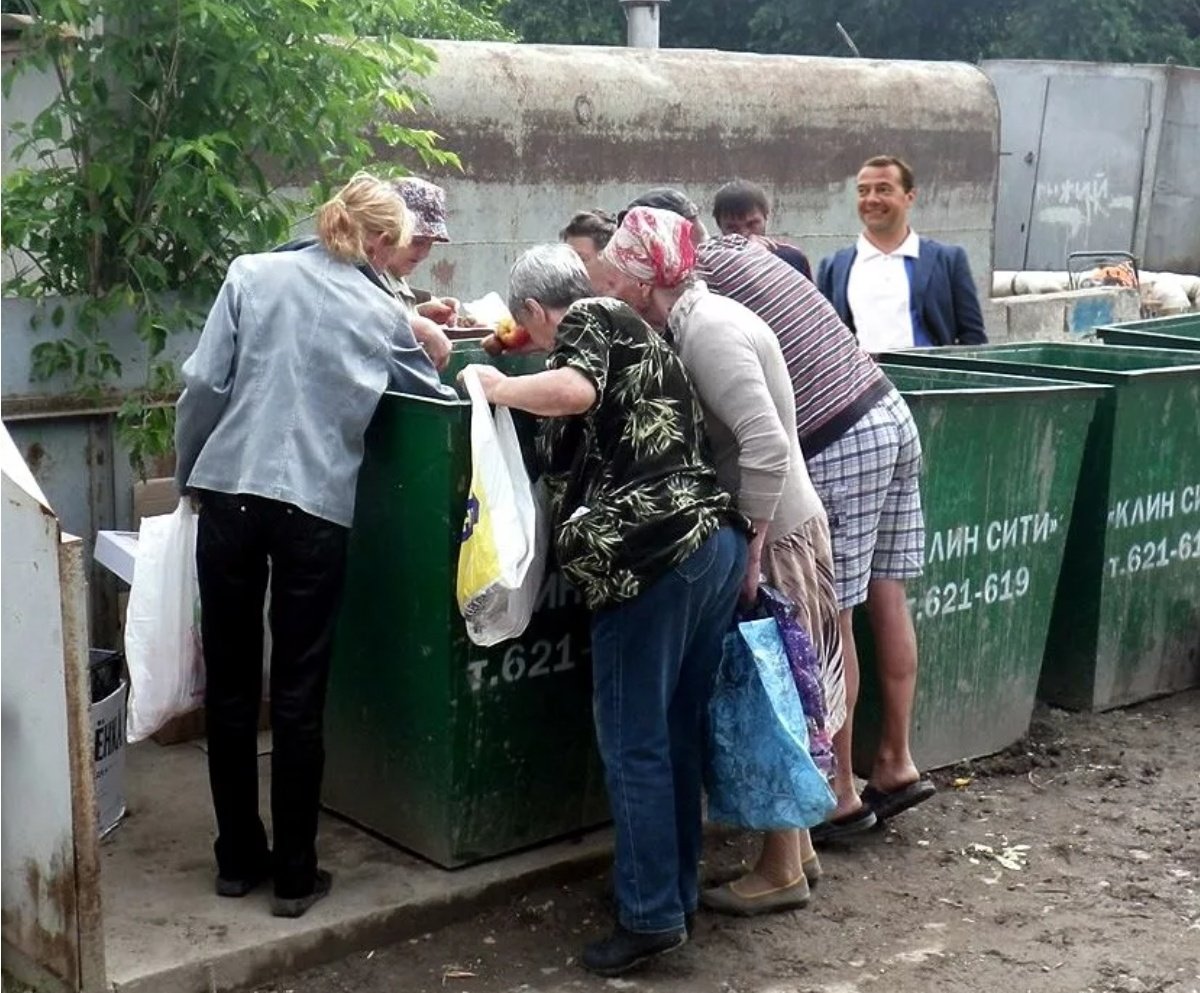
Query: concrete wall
[(544, 131), (1068, 316)]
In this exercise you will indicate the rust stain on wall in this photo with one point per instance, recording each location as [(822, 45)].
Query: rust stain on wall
[(43, 926), (442, 272)]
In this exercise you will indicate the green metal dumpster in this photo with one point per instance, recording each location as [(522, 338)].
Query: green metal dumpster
[(1001, 461), (1162, 332), (1126, 619), (456, 752)]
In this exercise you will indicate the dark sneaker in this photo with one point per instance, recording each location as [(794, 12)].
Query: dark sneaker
[(237, 886), (622, 950), (297, 906)]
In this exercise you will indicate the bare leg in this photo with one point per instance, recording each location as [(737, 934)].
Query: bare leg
[(843, 779), (779, 863), (896, 658)]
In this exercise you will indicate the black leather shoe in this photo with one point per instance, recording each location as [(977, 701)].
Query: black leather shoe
[(282, 906), (237, 886), (622, 950)]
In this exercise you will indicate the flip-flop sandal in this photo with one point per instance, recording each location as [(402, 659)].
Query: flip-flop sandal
[(887, 805), (846, 826), (726, 900)]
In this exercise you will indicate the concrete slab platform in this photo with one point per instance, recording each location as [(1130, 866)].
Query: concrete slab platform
[(167, 931)]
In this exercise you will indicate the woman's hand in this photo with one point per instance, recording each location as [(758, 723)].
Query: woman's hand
[(494, 346), (441, 310), (749, 594), (490, 378), (433, 339)]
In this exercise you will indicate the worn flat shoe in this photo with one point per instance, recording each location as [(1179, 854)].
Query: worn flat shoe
[(239, 886), (812, 870), (887, 805), (623, 950), (727, 900), (842, 828), (282, 906)]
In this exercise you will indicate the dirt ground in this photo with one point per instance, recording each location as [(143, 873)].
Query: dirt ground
[(1069, 864)]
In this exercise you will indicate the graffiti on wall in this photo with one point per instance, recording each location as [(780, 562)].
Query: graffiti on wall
[(1078, 203)]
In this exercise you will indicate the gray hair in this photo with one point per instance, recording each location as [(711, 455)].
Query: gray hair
[(553, 275)]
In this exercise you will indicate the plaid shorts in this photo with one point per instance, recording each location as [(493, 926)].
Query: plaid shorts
[(869, 482)]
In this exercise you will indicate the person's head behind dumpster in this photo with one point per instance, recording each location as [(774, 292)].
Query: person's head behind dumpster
[(676, 201), (741, 207), (542, 285), (364, 221), (426, 201), (588, 232), (654, 254)]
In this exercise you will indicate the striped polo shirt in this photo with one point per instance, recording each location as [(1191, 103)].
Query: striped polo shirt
[(834, 380)]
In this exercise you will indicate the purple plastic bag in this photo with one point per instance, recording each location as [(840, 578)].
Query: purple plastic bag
[(806, 672)]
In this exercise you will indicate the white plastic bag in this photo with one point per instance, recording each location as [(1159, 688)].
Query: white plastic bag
[(504, 536), (162, 624)]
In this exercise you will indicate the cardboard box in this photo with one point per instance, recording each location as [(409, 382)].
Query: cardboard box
[(152, 497)]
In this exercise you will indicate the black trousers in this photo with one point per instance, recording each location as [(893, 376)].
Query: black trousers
[(236, 537)]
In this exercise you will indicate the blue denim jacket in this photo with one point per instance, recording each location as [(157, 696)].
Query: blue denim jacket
[(294, 356)]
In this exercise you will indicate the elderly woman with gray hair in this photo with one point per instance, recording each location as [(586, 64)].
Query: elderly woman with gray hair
[(646, 534), (736, 364)]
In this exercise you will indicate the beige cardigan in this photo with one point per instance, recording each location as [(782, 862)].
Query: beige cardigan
[(740, 376)]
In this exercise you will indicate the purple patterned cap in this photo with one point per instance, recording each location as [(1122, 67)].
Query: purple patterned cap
[(427, 203)]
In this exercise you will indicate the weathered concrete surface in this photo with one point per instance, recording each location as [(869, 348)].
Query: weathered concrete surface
[(544, 131), (1066, 316), (167, 931)]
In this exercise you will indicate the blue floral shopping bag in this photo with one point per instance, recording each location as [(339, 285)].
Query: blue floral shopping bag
[(760, 774)]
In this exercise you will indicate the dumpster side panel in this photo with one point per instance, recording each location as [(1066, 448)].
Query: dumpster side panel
[(1126, 625), (1149, 632), (456, 752), (998, 486), (389, 763), (1182, 332)]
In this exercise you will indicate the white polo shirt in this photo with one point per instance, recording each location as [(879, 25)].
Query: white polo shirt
[(878, 294)]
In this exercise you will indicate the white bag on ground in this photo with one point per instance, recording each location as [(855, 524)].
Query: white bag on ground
[(499, 566), (162, 624)]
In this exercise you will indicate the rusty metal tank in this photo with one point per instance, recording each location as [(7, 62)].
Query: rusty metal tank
[(544, 131)]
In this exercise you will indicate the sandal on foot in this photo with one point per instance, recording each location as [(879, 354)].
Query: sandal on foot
[(812, 870), (887, 804), (727, 900), (846, 826)]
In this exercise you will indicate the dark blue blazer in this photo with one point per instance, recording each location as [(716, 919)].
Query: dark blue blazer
[(943, 292)]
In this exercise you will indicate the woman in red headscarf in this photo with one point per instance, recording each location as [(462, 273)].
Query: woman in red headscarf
[(742, 381)]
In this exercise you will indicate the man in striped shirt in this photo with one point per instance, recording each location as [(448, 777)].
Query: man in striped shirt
[(864, 457)]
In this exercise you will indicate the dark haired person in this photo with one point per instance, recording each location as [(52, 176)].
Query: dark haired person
[(893, 288), (741, 207)]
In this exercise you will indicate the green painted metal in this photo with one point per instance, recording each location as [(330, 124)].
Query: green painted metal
[(1126, 620), (1001, 462), (456, 752), (1182, 331)]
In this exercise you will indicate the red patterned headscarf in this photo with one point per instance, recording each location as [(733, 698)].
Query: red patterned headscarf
[(653, 246)]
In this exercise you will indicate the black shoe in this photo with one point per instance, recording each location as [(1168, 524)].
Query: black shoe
[(689, 922), (296, 906), (622, 950), (237, 886)]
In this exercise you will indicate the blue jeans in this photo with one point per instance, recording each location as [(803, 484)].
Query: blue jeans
[(654, 659)]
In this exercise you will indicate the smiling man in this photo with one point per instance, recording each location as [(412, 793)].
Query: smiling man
[(892, 288)]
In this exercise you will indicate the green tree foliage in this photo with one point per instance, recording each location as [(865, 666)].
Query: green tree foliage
[(965, 30), (177, 128)]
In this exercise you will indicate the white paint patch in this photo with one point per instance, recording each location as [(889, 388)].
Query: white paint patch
[(919, 955)]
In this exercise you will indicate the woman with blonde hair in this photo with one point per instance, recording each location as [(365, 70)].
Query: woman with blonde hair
[(293, 359)]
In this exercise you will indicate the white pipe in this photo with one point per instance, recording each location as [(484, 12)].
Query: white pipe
[(642, 22)]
